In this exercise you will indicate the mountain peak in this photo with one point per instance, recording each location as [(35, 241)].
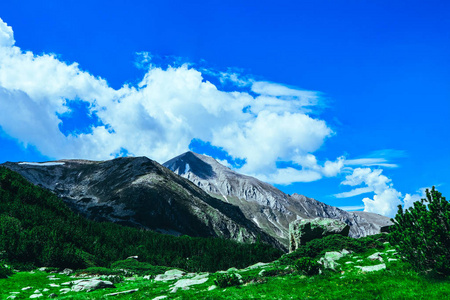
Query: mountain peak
[(191, 162)]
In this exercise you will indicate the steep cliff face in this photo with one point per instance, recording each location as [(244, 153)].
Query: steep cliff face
[(139, 192), (268, 207)]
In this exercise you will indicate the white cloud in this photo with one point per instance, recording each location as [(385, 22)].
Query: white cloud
[(6, 35), (386, 198), (351, 207), (369, 162), (160, 116), (354, 192)]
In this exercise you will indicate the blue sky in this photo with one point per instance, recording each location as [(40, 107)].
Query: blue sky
[(343, 101)]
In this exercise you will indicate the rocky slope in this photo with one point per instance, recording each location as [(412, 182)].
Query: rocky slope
[(268, 207), (140, 192)]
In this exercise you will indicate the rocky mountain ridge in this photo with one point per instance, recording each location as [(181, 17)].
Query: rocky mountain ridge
[(140, 192), (271, 209)]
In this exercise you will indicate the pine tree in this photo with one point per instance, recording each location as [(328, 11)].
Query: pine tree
[(422, 233)]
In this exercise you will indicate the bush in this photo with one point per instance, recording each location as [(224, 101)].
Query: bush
[(421, 233), (307, 266), (226, 280), (100, 271), (139, 268), (5, 270), (317, 248)]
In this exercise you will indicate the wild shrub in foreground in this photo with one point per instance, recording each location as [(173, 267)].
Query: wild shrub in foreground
[(421, 233), (226, 280), (307, 266), (5, 270), (317, 248)]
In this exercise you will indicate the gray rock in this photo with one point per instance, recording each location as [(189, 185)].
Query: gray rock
[(124, 292), (213, 287), (160, 297), (64, 290), (257, 266), (26, 288), (303, 231), (372, 268), (375, 256), (170, 275), (53, 285), (52, 295), (91, 284), (199, 279), (392, 259), (67, 272), (36, 296)]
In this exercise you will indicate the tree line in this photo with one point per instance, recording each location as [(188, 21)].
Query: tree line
[(38, 229)]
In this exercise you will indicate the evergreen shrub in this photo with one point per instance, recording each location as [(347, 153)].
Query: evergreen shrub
[(421, 233), (226, 280), (307, 266), (5, 270), (316, 248)]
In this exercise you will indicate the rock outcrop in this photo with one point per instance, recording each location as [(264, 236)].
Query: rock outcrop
[(303, 231), (268, 207)]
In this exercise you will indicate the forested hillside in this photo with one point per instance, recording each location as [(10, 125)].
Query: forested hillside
[(38, 229)]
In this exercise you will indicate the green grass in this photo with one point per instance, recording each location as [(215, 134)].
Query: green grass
[(279, 281)]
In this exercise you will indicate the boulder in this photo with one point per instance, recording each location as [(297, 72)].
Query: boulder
[(170, 275), (305, 230), (92, 284), (329, 260), (372, 268), (66, 271), (199, 279)]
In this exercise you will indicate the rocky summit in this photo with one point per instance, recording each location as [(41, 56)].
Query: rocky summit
[(140, 192), (268, 207)]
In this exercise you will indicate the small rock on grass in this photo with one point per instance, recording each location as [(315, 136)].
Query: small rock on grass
[(36, 296), (26, 288), (160, 297), (213, 287), (124, 292), (52, 295), (372, 268)]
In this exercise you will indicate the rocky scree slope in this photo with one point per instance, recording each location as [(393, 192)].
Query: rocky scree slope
[(268, 207), (140, 192)]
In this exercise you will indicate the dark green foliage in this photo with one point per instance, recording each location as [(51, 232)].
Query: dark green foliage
[(226, 280), (38, 229), (5, 270), (100, 271), (317, 248), (138, 268), (307, 266), (421, 233)]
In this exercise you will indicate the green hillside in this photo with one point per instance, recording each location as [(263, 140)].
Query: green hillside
[(37, 229)]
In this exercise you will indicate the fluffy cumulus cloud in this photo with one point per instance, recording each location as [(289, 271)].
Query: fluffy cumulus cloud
[(385, 199), (6, 35), (160, 116)]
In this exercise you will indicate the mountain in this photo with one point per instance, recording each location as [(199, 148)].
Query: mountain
[(141, 193), (268, 207)]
